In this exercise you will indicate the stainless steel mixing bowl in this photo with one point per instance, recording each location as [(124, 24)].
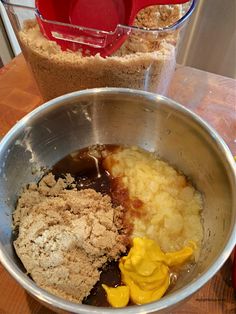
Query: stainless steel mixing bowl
[(130, 117)]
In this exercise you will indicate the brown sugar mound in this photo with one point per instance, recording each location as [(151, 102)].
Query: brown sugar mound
[(145, 61), (66, 236)]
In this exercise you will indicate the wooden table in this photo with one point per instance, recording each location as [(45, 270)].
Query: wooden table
[(211, 96)]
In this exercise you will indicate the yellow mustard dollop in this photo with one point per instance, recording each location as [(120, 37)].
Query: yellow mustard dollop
[(145, 270), (117, 297)]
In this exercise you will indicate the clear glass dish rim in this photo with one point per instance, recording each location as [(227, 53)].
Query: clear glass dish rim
[(172, 27)]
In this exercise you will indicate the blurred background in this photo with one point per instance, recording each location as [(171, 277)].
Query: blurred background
[(209, 42)]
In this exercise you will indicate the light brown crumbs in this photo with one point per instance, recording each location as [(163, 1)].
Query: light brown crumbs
[(66, 236), (146, 60)]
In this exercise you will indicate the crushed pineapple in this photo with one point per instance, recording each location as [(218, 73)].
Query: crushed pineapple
[(172, 206)]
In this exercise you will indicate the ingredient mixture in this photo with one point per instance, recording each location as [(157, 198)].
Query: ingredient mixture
[(145, 61), (112, 231)]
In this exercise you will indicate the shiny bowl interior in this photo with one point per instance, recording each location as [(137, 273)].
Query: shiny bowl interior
[(127, 117)]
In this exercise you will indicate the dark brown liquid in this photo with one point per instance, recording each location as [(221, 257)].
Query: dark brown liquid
[(89, 173), (110, 276)]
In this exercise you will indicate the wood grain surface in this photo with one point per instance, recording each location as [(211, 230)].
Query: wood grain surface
[(213, 97)]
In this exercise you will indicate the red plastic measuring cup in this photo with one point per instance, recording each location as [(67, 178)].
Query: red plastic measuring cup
[(91, 25)]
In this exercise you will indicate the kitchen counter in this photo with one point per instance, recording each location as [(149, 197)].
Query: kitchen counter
[(211, 96)]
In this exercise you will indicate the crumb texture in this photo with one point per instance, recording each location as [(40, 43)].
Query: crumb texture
[(66, 235), (145, 61)]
